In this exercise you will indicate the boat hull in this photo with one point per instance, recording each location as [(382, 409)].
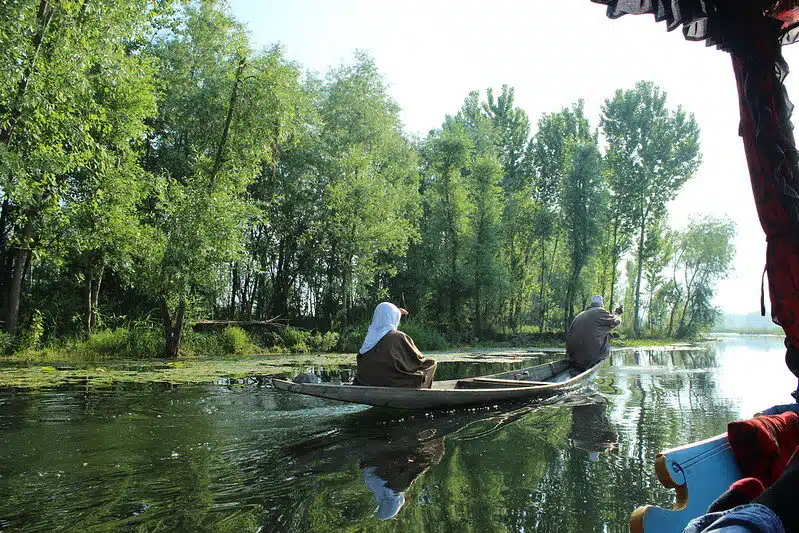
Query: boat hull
[(444, 395)]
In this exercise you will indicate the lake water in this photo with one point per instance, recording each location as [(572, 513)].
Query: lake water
[(249, 458)]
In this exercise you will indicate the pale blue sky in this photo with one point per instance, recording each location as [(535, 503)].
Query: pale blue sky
[(434, 52)]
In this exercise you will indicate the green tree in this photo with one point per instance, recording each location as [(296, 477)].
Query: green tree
[(706, 254), (584, 201), (513, 131), (655, 150), (447, 152), (548, 157), (486, 266), (372, 181), (289, 194), (618, 238), (658, 252), (72, 100), (518, 221), (213, 134)]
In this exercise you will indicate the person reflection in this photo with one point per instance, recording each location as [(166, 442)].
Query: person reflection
[(591, 429), (389, 473)]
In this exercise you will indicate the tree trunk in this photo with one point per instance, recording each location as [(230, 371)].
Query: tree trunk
[(20, 257), (543, 279), (44, 16), (95, 299), (478, 318), (671, 317), (568, 306), (220, 152), (688, 286), (234, 289), (684, 311), (614, 262), (637, 301), (603, 287), (172, 331), (245, 293), (552, 266), (613, 282), (87, 295), (3, 231)]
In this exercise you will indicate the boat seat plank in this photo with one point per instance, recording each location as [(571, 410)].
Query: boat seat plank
[(514, 382), (699, 473), (477, 383)]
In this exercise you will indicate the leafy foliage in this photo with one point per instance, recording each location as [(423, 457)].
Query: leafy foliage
[(153, 163)]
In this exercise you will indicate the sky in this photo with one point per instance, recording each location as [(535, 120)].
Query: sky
[(432, 53)]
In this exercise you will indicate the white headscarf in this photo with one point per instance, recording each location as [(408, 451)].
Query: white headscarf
[(385, 318), (597, 301)]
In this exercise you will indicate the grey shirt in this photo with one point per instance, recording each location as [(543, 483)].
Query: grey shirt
[(587, 339)]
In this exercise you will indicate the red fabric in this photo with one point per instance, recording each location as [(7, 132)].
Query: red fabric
[(785, 10), (773, 171), (764, 445), (749, 487), (741, 492)]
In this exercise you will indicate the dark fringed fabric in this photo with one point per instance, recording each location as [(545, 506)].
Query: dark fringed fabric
[(752, 32), (704, 20)]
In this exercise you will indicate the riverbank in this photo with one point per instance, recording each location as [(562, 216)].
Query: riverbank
[(25, 372), (243, 369)]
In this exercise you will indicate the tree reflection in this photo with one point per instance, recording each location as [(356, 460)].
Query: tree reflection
[(591, 428)]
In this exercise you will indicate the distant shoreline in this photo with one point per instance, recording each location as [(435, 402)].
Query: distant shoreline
[(771, 332)]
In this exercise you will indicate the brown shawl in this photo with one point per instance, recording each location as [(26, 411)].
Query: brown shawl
[(588, 338), (395, 361)]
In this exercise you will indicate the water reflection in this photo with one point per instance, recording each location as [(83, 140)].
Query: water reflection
[(592, 430), (247, 458), (393, 454), (388, 474)]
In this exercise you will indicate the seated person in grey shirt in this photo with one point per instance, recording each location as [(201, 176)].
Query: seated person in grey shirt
[(588, 338)]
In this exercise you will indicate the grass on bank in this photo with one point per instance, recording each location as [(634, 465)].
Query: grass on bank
[(146, 343), (120, 355)]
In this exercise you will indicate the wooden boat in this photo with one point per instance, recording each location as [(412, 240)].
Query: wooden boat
[(536, 382)]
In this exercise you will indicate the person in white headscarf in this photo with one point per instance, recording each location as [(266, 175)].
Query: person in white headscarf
[(588, 339), (388, 357)]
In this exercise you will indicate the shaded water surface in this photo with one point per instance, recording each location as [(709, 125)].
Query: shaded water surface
[(248, 458)]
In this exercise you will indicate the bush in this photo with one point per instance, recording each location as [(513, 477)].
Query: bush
[(138, 343), (146, 343), (425, 337), (295, 340), (6, 343), (108, 341), (32, 337), (202, 344), (328, 342), (293, 337), (235, 340), (301, 341), (351, 338), (230, 341)]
